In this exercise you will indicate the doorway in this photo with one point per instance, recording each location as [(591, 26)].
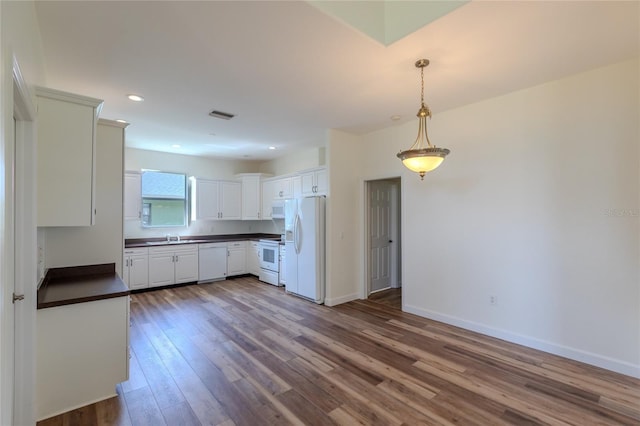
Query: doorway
[(382, 224)]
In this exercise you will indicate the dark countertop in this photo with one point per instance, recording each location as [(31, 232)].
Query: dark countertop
[(197, 239), (79, 284)]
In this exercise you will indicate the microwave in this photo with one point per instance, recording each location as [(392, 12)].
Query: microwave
[(277, 209)]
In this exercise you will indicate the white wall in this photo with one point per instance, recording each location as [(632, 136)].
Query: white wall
[(538, 205), (19, 39), (202, 167), (343, 208), (102, 242), (296, 161)]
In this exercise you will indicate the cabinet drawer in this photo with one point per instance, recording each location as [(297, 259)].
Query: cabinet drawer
[(136, 251), (174, 248)]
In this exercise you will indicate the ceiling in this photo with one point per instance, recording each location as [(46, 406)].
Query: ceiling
[(289, 70)]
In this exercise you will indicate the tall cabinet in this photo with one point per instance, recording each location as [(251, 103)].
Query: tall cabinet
[(66, 157), (82, 348)]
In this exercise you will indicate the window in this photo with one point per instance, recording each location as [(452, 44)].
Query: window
[(164, 199)]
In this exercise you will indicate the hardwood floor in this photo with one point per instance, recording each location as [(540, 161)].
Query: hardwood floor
[(391, 297), (240, 352)]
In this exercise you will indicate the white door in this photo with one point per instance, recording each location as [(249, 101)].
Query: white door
[(8, 281), (380, 235), (17, 257)]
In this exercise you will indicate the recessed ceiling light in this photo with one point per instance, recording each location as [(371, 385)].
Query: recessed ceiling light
[(175, 145), (135, 98), (395, 117), (120, 120), (272, 147)]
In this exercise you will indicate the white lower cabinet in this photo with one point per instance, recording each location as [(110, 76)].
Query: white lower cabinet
[(236, 258), (173, 265), (82, 354), (253, 258), (135, 272)]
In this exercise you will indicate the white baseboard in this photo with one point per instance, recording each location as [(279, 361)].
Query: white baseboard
[(342, 299), (602, 361)]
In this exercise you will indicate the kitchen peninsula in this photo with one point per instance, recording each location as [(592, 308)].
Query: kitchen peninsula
[(83, 337)]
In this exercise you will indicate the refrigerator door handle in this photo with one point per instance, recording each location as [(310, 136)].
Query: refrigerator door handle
[(296, 234)]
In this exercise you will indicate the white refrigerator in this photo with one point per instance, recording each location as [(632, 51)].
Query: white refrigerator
[(304, 231)]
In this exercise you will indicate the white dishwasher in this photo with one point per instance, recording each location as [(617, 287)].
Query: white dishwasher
[(212, 262)]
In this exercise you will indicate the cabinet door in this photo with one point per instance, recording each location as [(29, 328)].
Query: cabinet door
[(251, 203), (230, 200), (132, 196), (296, 184), (138, 272), (186, 266), (314, 182), (308, 183), (253, 261), (321, 182), (66, 158), (268, 195), (237, 258), (207, 199), (284, 188), (161, 269)]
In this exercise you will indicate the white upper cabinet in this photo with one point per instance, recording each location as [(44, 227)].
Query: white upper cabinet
[(206, 199), (230, 200), (268, 194), (314, 182), (283, 188), (66, 154), (217, 200), (132, 196), (251, 198)]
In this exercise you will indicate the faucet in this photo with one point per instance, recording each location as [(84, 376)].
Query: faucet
[(171, 238)]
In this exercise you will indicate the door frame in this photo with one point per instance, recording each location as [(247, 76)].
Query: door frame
[(18, 248), (396, 230)]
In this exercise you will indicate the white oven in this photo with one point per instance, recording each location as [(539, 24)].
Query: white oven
[(269, 265)]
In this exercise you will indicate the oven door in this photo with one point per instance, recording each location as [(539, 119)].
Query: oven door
[(269, 257)]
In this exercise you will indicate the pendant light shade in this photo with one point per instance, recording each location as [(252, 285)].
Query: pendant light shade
[(422, 156)]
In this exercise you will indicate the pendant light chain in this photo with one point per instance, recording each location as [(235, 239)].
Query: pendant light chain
[(422, 89)]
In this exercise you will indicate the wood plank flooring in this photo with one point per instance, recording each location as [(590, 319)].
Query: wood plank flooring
[(240, 352), (391, 297)]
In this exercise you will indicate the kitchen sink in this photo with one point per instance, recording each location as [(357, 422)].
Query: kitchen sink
[(172, 242)]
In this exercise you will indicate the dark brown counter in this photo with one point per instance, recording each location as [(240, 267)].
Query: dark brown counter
[(197, 239), (79, 284)]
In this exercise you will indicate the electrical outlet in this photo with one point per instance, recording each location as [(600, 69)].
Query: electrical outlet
[(493, 300)]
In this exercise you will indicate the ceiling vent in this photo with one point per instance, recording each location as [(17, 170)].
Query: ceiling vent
[(222, 115)]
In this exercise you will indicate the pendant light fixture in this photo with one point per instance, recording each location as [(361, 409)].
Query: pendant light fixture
[(422, 157)]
